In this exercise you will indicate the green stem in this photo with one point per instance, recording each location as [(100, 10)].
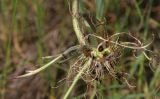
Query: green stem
[(76, 26), (77, 78)]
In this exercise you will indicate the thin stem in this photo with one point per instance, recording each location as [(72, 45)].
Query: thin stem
[(65, 53), (33, 72), (76, 26), (77, 78)]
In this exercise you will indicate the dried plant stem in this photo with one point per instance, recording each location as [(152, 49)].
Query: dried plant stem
[(33, 72), (65, 53), (81, 40), (76, 26), (77, 78)]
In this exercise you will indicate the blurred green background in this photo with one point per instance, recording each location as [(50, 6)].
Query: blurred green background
[(32, 29)]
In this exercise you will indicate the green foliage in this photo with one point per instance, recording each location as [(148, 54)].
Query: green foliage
[(100, 4)]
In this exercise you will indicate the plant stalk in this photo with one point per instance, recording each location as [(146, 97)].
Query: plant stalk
[(77, 78), (76, 26), (29, 73)]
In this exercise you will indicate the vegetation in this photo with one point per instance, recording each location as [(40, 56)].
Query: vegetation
[(102, 64)]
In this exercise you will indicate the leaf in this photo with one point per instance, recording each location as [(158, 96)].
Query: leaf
[(100, 9)]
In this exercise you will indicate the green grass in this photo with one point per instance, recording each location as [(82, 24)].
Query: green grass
[(7, 63)]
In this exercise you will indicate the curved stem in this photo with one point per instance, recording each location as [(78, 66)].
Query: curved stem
[(33, 72), (76, 26)]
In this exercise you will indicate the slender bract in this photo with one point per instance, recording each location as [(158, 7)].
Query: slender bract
[(76, 27), (41, 68)]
